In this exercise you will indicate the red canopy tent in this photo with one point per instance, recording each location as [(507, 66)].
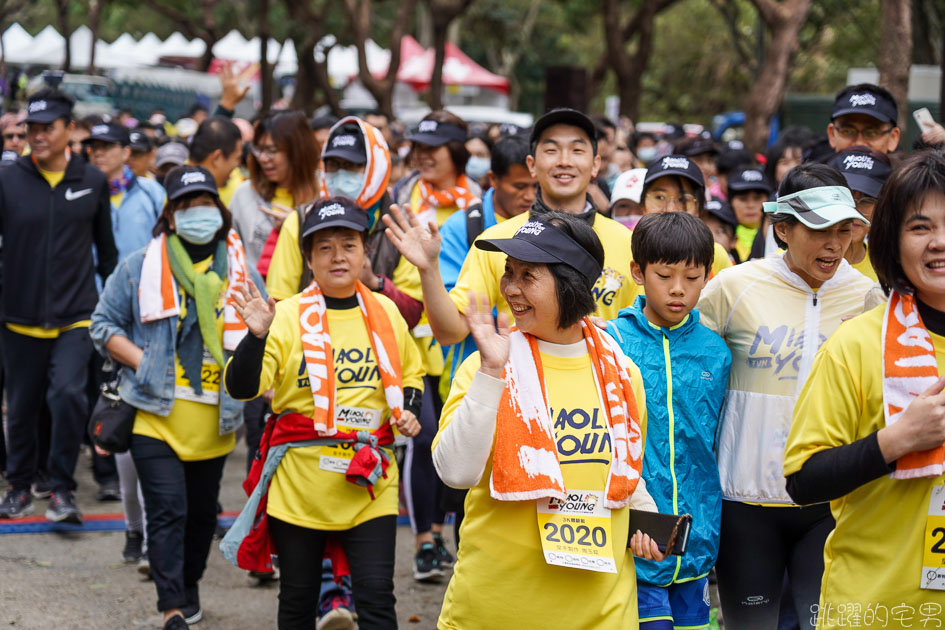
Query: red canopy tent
[(416, 68)]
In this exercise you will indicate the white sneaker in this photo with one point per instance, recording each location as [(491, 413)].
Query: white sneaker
[(337, 619)]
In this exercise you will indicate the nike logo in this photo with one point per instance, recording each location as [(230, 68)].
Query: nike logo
[(72, 196)]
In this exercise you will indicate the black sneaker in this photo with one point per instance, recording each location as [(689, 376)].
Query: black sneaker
[(16, 504), (446, 558), (109, 491), (62, 508), (176, 623), (192, 612), (427, 564), (41, 487), (134, 543)]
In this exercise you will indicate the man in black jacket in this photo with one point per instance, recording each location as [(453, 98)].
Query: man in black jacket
[(53, 209)]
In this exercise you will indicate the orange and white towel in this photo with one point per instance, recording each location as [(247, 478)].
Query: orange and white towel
[(159, 298), (430, 199), (376, 169), (525, 463), (909, 368), (316, 347)]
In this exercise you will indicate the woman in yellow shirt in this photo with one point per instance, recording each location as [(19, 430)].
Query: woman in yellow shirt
[(167, 315), (344, 371), (869, 425), (552, 469)]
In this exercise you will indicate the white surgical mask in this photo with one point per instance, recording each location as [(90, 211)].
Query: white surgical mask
[(344, 183), (198, 224), (477, 167), (646, 154)]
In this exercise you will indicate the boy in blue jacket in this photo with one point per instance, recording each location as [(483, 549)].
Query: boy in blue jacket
[(685, 370)]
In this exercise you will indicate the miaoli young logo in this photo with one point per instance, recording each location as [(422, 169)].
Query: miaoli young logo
[(533, 228)]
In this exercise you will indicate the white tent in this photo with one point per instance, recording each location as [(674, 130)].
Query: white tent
[(48, 47), (343, 62), (179, 46), (16, 42), (147, 49), (80, 42), (234, 47)]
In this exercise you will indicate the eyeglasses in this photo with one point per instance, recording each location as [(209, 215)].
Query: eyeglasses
[(865, 205), (11, 136), (270, 151), (870, 133), (662, 201)]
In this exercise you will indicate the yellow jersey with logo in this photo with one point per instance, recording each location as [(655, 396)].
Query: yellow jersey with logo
[(192, 429), (615, 289), (308, 490), (873, 559), (503, 538)]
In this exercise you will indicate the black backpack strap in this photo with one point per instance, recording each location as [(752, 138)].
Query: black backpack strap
[(475, 223)]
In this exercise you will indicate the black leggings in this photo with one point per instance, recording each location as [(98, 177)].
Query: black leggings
[(370, 550), (757, 545)]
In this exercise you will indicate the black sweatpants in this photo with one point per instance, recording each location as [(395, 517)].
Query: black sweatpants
[(370, 550), (180, 499), (757, 544), (53, 370)]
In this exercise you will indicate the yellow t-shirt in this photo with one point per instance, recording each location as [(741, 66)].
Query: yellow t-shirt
[(116, 199), (501, 557), (285, 268), (301, 492), (873, 557), (614, 290), (866, 267), (745, 236), (721, 260), (236, 178), (52, 177), (192, 428)]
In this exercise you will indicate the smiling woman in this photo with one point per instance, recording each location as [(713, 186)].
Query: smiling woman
[(869, 426), (774, 313)]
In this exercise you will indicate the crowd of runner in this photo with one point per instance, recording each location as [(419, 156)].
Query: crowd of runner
[(547, 332)]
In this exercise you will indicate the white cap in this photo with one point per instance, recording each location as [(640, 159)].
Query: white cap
[(186, 127), (629, 185)]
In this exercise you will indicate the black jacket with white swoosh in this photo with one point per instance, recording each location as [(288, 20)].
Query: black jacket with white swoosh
[(48, 234)]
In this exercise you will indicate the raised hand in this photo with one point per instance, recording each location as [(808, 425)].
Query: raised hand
[(419, 244), (231, 90), (256, 312), (278, 212), (493, 344)]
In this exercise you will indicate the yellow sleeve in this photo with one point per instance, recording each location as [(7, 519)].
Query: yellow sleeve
[(479, 276), (285, 269), (828, 410), (461, 382), (411, 363), (721, 260)]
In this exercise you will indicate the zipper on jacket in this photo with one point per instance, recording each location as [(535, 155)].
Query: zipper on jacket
[(45, 319), (815, 298), (672, 437)]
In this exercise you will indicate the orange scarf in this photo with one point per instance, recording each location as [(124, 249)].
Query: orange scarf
[(458, 196), (909, 368), (525, 463), (319, 358)]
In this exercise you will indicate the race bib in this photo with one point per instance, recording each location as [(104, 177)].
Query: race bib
[(209, 380), (577, 532), (933, 552), (337, 458)]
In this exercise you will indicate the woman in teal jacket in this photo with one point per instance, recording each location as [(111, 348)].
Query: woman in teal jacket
[(685, 369)]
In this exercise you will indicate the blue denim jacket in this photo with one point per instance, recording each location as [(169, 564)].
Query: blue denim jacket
[(151, 387)]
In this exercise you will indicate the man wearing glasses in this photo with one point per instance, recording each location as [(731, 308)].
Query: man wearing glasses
[(14, 132), (864, 114)]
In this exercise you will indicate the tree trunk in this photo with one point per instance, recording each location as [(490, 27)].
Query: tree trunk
[(95, 18), (895, 53), (323, 80), (305, 81), (439, 56), (265, 70), (62, 13), (784, 21)]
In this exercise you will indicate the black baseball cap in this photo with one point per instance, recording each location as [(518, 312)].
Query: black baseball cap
[(748, 179), (334, 212), (867, 100), (678, 165), (322, 122), (699, 146), (863, 172), (109, 132), (188, 179), (564, 116), (346, 143), (537, 241), (47, 110), (722, 211), (434, 133), (139, 141)]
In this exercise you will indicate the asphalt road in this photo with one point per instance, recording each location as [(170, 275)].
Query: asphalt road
[(76, 580)]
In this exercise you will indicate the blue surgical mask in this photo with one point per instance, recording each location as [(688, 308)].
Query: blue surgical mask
[(477, 167), (198, 224), (344, 183), (646, 154)]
